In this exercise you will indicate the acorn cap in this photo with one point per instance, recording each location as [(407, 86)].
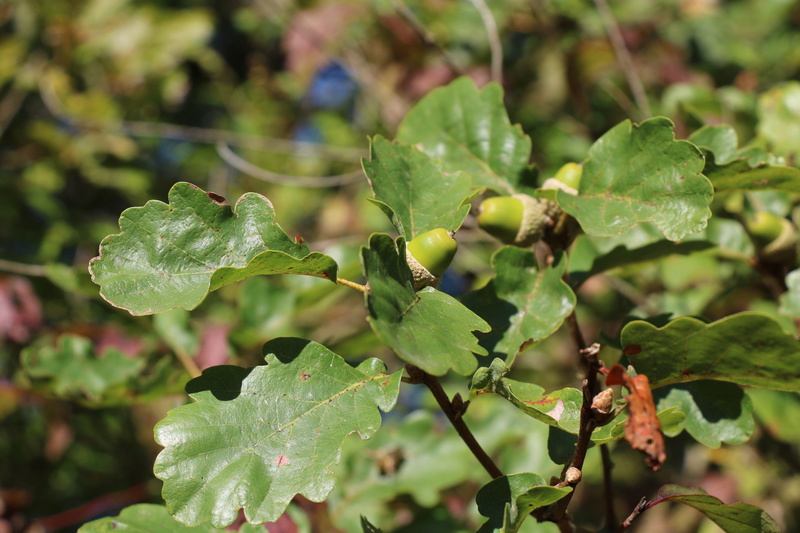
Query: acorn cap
[(422, 276), (534, 221)]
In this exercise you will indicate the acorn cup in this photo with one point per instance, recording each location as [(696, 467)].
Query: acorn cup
[(428, 256)]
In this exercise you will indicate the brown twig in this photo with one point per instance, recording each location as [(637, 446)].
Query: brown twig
[(587, 424), (608, 487), (417, 375), (639, 509)]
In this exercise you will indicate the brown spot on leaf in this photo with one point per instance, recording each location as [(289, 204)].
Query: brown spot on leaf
[(281, 460), (217, 198), (304, 376), (298, 239), (632, 349)]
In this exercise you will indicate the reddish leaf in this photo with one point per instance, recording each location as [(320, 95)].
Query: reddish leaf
[(642, 428)]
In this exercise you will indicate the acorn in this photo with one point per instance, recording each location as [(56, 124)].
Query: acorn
[(775, 237), (428, 256), (570, 175), (519, 219), (568, 179)]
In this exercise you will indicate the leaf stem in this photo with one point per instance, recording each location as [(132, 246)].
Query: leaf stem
[(352, 284), (417, 375)]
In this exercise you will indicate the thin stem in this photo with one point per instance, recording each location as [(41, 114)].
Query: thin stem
[(246, 167), (608, 487), (352, 284), (22, 268), (494, 39), (418, 375), (624, 57), (194, 134), (427, 37), (188, 363)]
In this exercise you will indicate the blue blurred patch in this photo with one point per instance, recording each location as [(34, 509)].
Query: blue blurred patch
[(332, 89)]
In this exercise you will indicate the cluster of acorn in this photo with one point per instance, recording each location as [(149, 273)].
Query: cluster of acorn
[(519, 219)]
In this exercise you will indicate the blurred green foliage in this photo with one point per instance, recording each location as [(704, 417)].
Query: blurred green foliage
[(105, 104)]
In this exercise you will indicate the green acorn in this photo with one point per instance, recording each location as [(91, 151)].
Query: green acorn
[(519, 219), (570, 175), (428, 256), (774, 236)]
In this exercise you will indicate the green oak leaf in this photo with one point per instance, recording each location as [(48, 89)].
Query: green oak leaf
[(73, 368), (749, 349), (414, 191), (522, 303), (469, 130), (773, 409), (790, 300), (172, 255), (255, 437), (716, 412), (147, 518), (427, 328), (638, 173), (561, 409), (507, 501), (586, 260), (734, 518), (779, 118), (732, 169)]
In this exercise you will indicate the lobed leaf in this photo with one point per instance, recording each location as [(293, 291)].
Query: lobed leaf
[(559, 409), (638, 173), (734, 518), (428, 328), (749, 349), (172, 255), (507, 501), (732, 169), (74, 369), (414, 191), (468, 129), (716, 412), (522, 303), (254, 438)]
